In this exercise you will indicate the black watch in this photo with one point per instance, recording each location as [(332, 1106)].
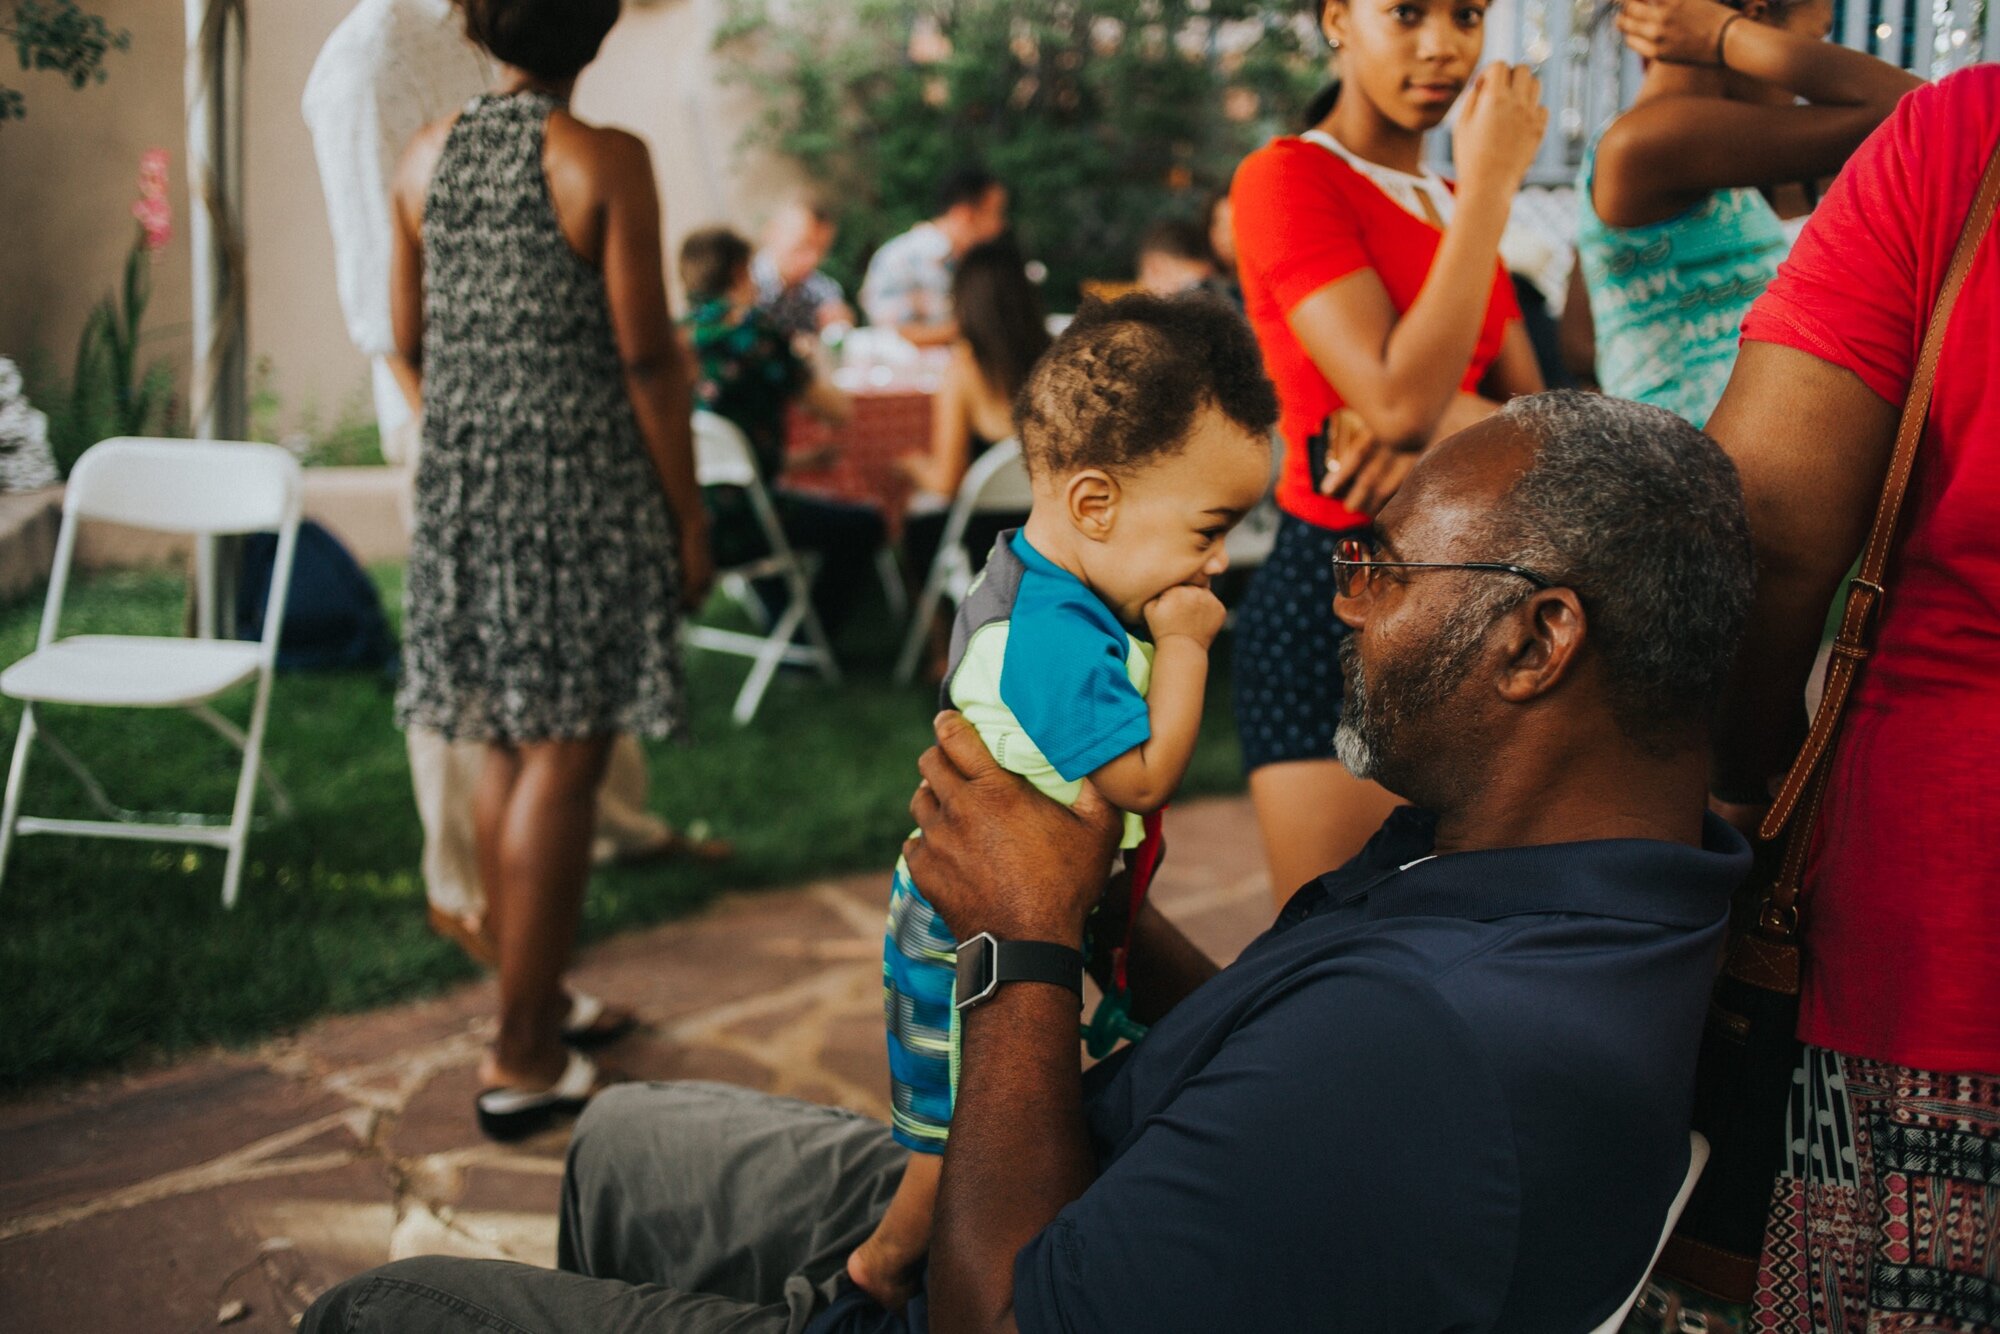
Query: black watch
[(985, 963)]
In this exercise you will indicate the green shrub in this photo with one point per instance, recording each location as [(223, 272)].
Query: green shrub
[(351, 440), (1102, 118), (56, 35)]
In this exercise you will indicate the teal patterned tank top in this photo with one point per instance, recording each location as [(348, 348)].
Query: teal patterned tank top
[(1668, 298)]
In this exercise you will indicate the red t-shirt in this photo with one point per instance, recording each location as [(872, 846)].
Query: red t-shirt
[(1902, 904), (1304, 219)]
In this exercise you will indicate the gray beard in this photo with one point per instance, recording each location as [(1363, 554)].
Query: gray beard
[(1376, 739), (1357, 739)]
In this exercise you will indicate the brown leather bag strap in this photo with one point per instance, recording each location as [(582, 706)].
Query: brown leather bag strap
[(1805, 783)]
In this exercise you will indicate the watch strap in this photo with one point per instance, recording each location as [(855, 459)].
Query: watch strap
[(1037, 961), (986, 963)]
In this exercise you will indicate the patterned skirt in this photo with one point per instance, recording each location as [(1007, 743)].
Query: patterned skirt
[(1888, 1215)]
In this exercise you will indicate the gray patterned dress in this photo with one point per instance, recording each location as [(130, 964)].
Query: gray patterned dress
[(542, 594)]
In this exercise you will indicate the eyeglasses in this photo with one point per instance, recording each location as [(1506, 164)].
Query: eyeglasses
[(1355, 568)]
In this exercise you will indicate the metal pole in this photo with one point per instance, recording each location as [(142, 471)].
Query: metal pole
[(219, 392)]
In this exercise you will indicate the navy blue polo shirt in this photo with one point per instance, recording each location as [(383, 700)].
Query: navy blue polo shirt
[(1441, 1093)]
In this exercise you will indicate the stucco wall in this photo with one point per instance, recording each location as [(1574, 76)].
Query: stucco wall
[(68, 175)]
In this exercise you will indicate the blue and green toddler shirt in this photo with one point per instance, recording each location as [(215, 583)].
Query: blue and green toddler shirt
[(1056, 688)]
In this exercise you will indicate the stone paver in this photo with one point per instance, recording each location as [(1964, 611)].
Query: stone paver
[(260, 1177)]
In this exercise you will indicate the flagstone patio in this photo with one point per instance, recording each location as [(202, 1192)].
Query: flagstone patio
[(238, 1185)]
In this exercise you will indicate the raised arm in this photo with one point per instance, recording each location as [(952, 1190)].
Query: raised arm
[(1670, 151), (656, 373), (995, 855), (1184, 622), (1401, 373)]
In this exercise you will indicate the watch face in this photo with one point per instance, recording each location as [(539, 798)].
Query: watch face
[(975, 969)]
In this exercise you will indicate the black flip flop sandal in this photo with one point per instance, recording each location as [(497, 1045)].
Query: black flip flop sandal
[(581, 1028), (508, 1114)]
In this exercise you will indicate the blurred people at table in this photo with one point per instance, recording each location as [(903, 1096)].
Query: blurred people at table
[(560, 534), (388, 69), (1387, 322), (1885, 1215), (1674, 237), (908, 285), (791, 290), (750, 373), (1002, 332), (1174, 257)]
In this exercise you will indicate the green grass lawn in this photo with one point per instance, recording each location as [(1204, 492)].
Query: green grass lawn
[(116, 952)]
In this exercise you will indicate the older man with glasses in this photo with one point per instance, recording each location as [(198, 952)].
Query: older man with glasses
[(1450, 1087)]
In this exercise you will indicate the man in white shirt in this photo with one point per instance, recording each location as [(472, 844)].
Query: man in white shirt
[(908, 287), (389, 69)]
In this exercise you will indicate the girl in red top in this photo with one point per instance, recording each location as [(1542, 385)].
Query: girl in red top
[(1387, 322)]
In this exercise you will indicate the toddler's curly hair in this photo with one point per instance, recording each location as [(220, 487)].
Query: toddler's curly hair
[(1120, 388)]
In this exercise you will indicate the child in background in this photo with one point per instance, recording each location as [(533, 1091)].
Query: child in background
[(750, 374), (1146, 432), (1174, 257), (749, 371)]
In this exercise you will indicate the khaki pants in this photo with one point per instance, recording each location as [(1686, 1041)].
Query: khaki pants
[(445, 773), (686, 1209)]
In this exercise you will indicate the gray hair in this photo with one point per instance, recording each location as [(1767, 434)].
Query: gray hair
[(1643, 516)]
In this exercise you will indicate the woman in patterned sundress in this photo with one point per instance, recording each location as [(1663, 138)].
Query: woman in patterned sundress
[(559, 530)]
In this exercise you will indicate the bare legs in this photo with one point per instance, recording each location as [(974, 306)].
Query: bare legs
[(534, 812), (1314, 815)]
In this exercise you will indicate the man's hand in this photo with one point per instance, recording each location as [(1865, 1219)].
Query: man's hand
[(995, 855), (1186, 609)]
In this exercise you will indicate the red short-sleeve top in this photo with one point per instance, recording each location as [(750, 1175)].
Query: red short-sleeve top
[(1305, 218), (1902, 907)]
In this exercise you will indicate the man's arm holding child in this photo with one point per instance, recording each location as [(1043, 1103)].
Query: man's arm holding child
[(994, 855), (1184, 621)]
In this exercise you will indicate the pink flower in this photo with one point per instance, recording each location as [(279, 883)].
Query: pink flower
[(154, 210)]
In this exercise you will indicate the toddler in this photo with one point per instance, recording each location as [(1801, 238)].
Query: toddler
[(1146, 433)]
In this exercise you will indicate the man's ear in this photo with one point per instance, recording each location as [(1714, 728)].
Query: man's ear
[(1091, 498), (1757, 11), (1545, 638)]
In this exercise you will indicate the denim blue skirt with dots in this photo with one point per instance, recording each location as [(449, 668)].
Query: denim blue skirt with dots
[(1287, 661)]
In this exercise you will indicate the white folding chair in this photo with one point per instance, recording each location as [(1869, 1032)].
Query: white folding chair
[(1697, 1159), (996, 483), (723, 458), (199, 487), (891, 574)]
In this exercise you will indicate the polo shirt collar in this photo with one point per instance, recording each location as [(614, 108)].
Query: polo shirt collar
[(1634, 879)]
